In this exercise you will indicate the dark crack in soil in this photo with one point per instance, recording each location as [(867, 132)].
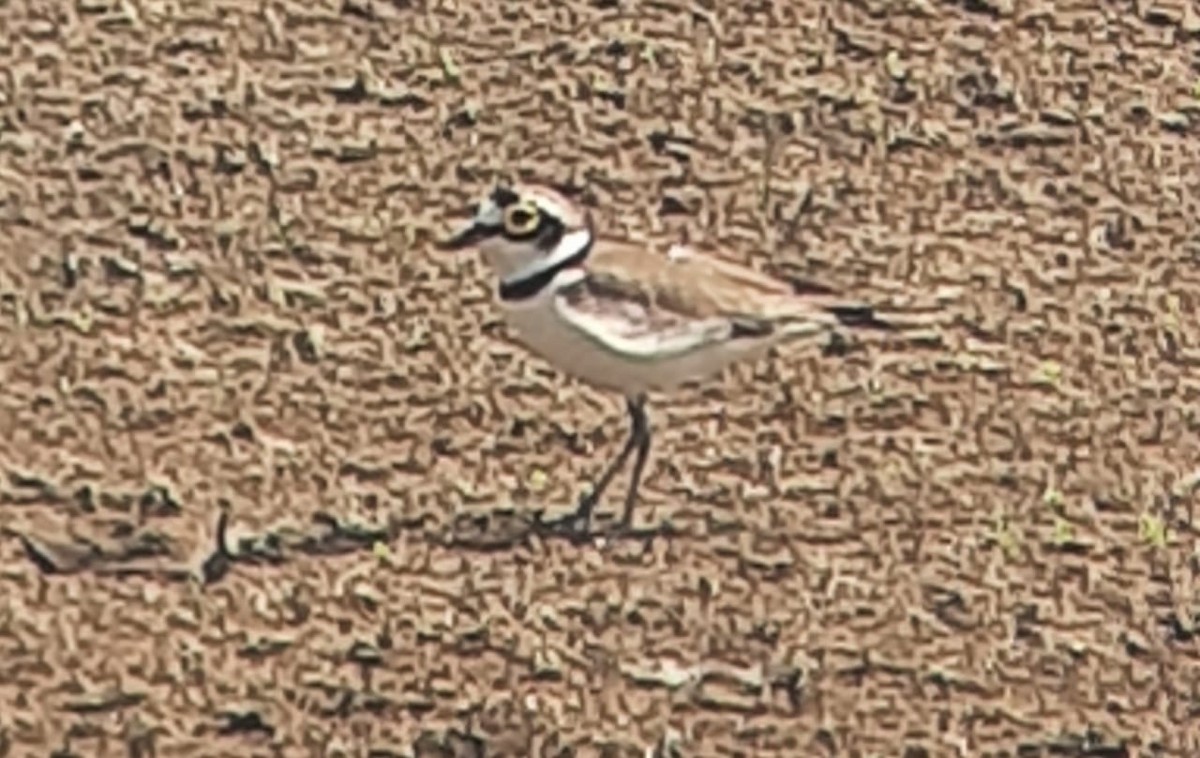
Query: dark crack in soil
[(271, 469)]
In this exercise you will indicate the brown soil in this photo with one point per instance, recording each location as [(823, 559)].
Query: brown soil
[(218, 296)]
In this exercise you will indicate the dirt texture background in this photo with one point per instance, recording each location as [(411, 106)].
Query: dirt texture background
[(222, 322)]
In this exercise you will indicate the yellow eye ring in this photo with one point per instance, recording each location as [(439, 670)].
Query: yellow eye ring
[(521, 219)]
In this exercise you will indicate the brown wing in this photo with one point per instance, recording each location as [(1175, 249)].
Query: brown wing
[(626, 319), (705, 286)]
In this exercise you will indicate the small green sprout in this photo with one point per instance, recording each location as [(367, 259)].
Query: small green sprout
[(649, 54), (1049, 373), (1172, 317), (537, 480), (381, 551), (1152, 530), (1063, 531), (1053, 499), (450, 67), (1005, 537), (895, 65)]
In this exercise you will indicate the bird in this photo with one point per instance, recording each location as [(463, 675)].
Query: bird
[(628, 318)]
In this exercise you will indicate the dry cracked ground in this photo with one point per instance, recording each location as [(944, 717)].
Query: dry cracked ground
[(268, 459)]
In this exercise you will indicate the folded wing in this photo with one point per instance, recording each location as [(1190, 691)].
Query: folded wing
[(623, 319), (704, 286)]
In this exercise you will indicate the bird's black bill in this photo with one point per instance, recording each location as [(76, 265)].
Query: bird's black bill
[(468, 236)]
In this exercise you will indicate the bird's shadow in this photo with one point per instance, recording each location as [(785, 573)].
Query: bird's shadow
[(502, 528)]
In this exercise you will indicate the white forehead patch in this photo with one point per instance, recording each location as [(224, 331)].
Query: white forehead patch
[(489, 214)]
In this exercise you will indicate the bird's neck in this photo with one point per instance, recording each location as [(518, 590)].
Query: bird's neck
[(529, 280)]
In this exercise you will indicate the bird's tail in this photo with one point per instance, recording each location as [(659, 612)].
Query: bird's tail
[(858, 316), (835, 311), (842, 323), (817, 315)]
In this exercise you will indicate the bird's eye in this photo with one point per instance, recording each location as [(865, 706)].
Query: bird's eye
[(520, 219)]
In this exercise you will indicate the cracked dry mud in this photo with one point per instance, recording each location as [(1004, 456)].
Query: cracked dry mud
[(268, 461)]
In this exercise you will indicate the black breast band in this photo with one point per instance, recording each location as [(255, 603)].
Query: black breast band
[(530, 286)]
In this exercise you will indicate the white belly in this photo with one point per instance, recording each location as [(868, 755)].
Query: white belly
[(538, 326)]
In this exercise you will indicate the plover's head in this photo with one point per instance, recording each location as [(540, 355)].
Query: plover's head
[(523, 229)]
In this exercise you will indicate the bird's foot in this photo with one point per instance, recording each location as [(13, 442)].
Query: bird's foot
[(625, 530), (577, 527)]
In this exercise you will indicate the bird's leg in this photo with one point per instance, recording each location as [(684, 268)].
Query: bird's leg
[(639, 439), (641, 433), (637, 432)]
